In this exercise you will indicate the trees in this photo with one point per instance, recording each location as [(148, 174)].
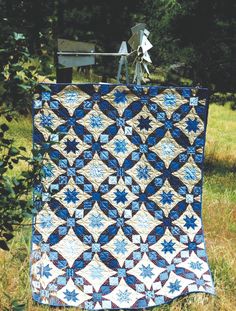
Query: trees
[(200, 34)]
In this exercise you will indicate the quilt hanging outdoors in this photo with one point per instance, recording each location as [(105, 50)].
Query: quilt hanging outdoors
[(118, 205)]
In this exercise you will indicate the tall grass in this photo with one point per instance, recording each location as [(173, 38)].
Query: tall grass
[(219, 218)]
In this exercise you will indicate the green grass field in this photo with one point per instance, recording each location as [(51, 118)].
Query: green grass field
[(219, 218)]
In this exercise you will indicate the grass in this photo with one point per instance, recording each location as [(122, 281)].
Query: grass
[(219, 218), (20, 130)]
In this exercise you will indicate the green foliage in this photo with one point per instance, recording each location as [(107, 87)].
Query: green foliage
[(14, 191), (18, 80), (20, 68), (19, 76)]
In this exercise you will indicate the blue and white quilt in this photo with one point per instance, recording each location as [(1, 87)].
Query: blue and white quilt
[(118, 204)]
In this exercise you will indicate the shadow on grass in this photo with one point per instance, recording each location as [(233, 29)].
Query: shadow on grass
[(219, 167)]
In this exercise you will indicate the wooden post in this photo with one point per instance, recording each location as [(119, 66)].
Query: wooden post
[(63, 75)]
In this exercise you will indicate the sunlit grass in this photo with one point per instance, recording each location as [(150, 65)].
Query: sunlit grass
[(20, 130), (219, 218), (221, 134)]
